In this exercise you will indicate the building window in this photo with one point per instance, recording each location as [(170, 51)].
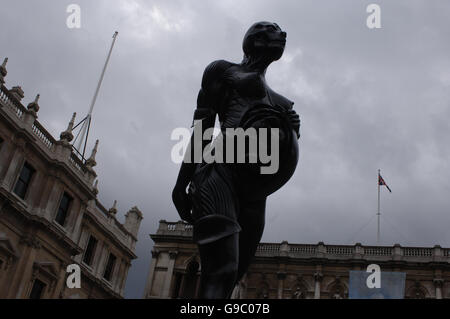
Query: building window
[(190, 282), (63, 209), (90, 250), (109, 267), (24, 180), (37, 290)]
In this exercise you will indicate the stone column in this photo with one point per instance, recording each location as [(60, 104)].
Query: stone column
[(54, 196), (169, 274), (82, 243), (61, 284), (318, 276), (13, 167), (125, 275), (78, 211), (24, 269), (117, 274), (197, 287), (182, 284), (148, 289), (6, 155), (4, 272), (35, 191), (438, 283), (102, 259), (281, 276)]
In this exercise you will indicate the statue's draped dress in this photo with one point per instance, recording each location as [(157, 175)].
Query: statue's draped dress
[(220, 190)]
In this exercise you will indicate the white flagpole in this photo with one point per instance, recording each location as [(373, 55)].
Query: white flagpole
[(87, 122), (378, 213)]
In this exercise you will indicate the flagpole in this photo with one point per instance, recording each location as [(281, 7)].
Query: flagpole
[(87, 123), (378, 212)]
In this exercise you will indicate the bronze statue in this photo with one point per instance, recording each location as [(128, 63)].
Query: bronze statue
[(226, 201)]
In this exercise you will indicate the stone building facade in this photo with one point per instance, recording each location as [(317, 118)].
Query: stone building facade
[(50, 216), (295, 271)]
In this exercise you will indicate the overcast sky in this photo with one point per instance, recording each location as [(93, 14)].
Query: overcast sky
[(368, 99)]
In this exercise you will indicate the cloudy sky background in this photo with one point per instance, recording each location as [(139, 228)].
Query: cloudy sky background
[(368, 99)]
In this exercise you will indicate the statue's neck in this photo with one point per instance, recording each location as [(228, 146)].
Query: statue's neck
[(259, 64)]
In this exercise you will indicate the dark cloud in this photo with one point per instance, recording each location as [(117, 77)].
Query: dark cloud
[(368, 99)]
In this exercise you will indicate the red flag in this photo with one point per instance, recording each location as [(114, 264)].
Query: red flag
[(381, 182)]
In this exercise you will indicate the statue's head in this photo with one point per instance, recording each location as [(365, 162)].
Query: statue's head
[(264, 39)]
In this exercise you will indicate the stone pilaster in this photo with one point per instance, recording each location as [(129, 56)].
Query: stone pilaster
[(24, 268), (318, 276), (151, 273), (438, 283), (14, 165), (169, 274), (281, 276), (61, 284)]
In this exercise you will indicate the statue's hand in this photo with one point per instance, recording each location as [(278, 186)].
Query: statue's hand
[(295, 122), (182, 203)]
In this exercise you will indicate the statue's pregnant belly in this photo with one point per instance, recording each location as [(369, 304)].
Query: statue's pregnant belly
[(272, 159)]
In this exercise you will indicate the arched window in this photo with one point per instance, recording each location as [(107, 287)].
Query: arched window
[(263, 291), (338, 290), (190, 281), (417, 291)]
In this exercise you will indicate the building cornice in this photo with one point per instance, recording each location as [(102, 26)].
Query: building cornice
[(40, 222)]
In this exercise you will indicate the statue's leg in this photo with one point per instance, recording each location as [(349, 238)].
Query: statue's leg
[(216, 230), (219, 267), (252, 220)]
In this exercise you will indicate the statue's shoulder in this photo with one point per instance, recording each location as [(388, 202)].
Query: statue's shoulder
[(281, 100), (215, 72)]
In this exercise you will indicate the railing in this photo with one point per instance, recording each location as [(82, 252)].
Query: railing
[(7, 99), (11, 102), (340, 250), (77, 163), (179, 227), (378, 251), (269, 248), (43, 135), (418, 252), (303, 249), (324, 251)]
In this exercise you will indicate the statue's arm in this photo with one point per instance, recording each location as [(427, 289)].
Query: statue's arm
[(209, 98)]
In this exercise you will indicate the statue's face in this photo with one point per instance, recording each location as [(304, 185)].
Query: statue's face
[(265, 38)]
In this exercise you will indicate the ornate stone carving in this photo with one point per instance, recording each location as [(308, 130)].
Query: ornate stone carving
[(173, 254), (30, 241), (318, 276)]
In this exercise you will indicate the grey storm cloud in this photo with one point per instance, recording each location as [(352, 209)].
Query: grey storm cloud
[(368, 99)]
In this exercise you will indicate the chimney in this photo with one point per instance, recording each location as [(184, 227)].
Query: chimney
[(133, 221)]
